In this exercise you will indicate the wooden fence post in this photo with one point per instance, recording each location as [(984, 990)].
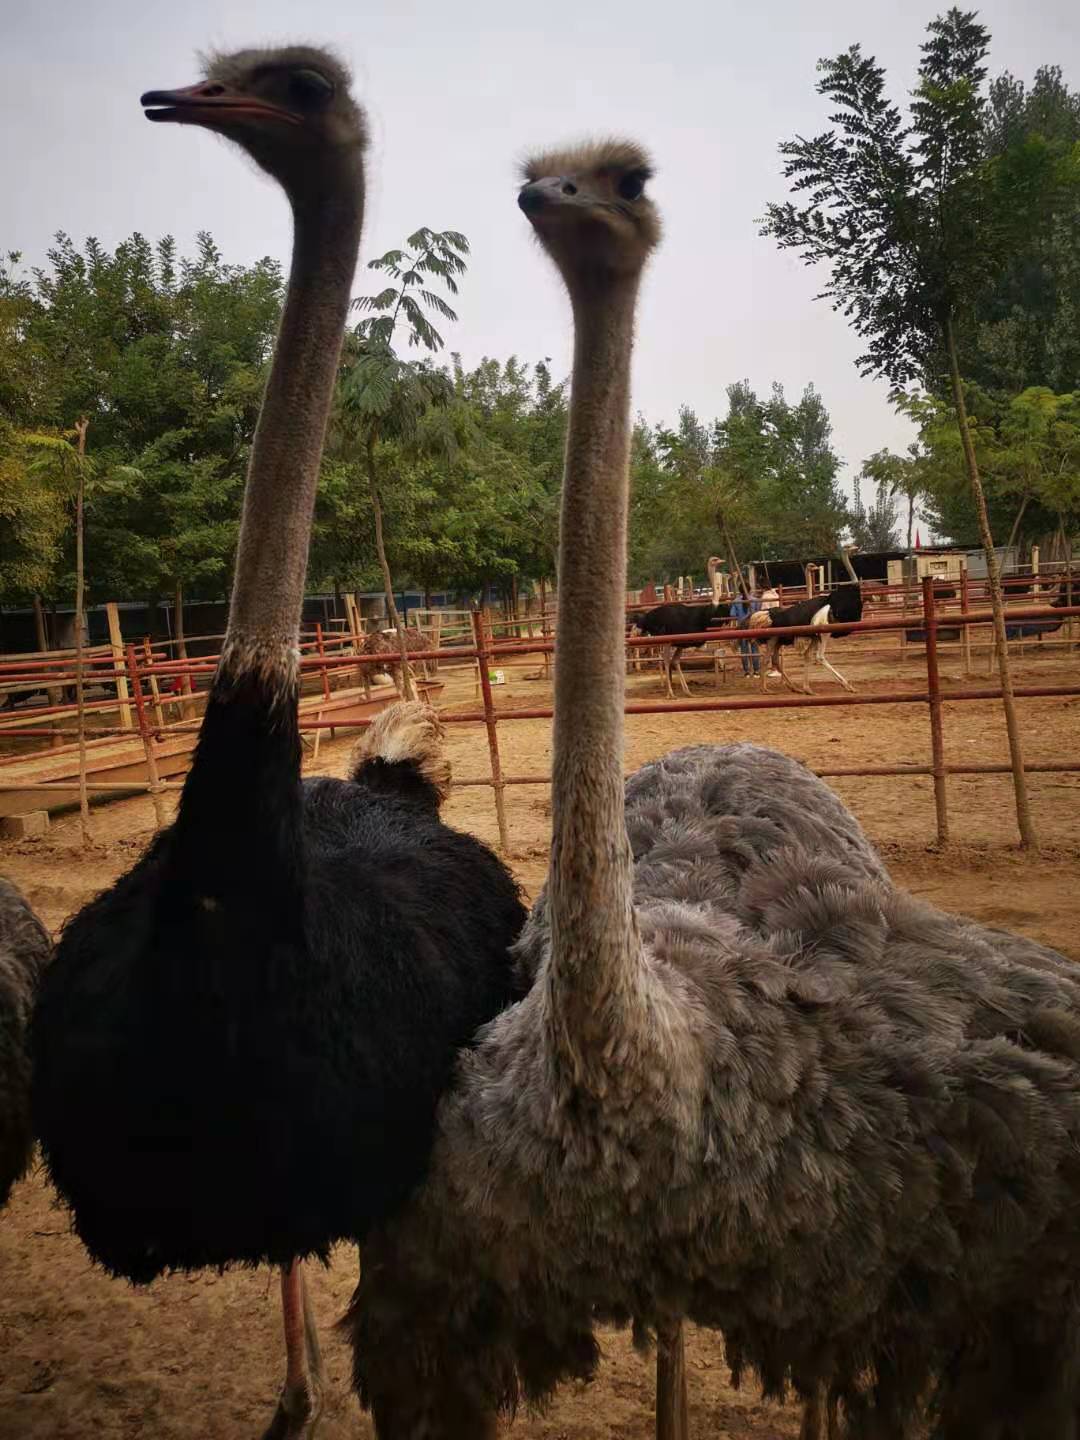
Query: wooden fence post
[(933, 679), (490, 720), (153, 780), (155, 692), (965, 630), (112, 614)]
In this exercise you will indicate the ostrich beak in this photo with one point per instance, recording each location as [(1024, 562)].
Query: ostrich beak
[(212, 105), (547, 194)]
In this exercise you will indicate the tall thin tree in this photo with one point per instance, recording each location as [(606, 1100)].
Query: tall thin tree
[(915, 223), (386, 397)]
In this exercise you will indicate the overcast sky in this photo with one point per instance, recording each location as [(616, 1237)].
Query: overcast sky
[(456, 91)]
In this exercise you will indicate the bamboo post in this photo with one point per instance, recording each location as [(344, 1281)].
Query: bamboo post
[(112, 614), (933, 685), (80, 588), (352, 612), (672, 1422), (544, 626), (187, 710), (320, 645), (965, 630), (152, 777), (491, 722), (148, 656)]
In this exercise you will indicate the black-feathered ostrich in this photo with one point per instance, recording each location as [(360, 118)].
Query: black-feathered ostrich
[(676, 618), (752, 1083), (837, 607), (240, 1046), (24, 951)]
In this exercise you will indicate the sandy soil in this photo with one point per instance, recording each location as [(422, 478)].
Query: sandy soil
[(199, 1358)]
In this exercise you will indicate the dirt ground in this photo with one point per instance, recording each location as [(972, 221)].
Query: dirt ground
[(199, 1358)]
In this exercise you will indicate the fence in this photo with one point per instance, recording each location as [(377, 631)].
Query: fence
[(144, 671)]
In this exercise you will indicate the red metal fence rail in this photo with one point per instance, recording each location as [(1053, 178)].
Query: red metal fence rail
[(484, 651)]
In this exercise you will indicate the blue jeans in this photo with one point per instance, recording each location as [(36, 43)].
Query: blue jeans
[(749, 656)]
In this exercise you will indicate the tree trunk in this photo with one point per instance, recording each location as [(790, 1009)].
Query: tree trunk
[(388, 584), (732, 557), (55, 694), (80, 704), (1024, 821), (910, 520), (187, 708), (1016, 522), (39, 625)]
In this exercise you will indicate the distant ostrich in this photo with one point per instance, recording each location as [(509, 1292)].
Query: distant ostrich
[(24, 950), (240, 1046), (752, 1083), (676, 618), (382, 642), (843, 603)]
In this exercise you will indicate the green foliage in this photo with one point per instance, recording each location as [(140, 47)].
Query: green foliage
[(1028, 449), (33, 519), (1027, 327), (766, 475), (896, 477), (914, 219), (166, 357)]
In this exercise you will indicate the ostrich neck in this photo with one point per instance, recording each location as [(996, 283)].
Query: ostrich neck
[(279, 499), (237, 835), (595, 947)]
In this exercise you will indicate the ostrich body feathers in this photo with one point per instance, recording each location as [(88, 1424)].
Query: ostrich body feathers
[(24, 951), (240, 1047), (839, 1125)]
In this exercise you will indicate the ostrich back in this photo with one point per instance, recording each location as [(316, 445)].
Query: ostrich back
[(230, 1082), (838, 1125), (24, 951)]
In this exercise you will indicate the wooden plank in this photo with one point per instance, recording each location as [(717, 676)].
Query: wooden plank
[(116, 643)]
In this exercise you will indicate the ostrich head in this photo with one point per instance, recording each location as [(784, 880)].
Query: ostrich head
[(290, 109), (590, 212)]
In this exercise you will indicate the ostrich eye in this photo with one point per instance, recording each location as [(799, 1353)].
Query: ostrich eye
[(632, 186), (309, 87)]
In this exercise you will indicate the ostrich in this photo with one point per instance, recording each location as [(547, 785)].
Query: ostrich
[(24, 950), (751, 1082), (843, 603), (676, 618), (240, 1046), (384, 642)]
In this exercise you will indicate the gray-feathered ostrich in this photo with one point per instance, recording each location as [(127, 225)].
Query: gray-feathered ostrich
[(24, 950), (752, 1083), (239, 1048)]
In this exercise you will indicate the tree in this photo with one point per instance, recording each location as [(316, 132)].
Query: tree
[(385, 398), (898, 476), (68, 469), (1026, 329), (165, 357), (873, 528), (916, 223)]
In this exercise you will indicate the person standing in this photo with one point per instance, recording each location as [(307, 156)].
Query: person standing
[(741, 610)]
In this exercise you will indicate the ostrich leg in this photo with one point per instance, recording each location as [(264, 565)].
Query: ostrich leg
[(298, 1410), (671, 1406), (832, 668)]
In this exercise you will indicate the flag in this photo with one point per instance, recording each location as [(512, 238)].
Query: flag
[(918, 541)]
